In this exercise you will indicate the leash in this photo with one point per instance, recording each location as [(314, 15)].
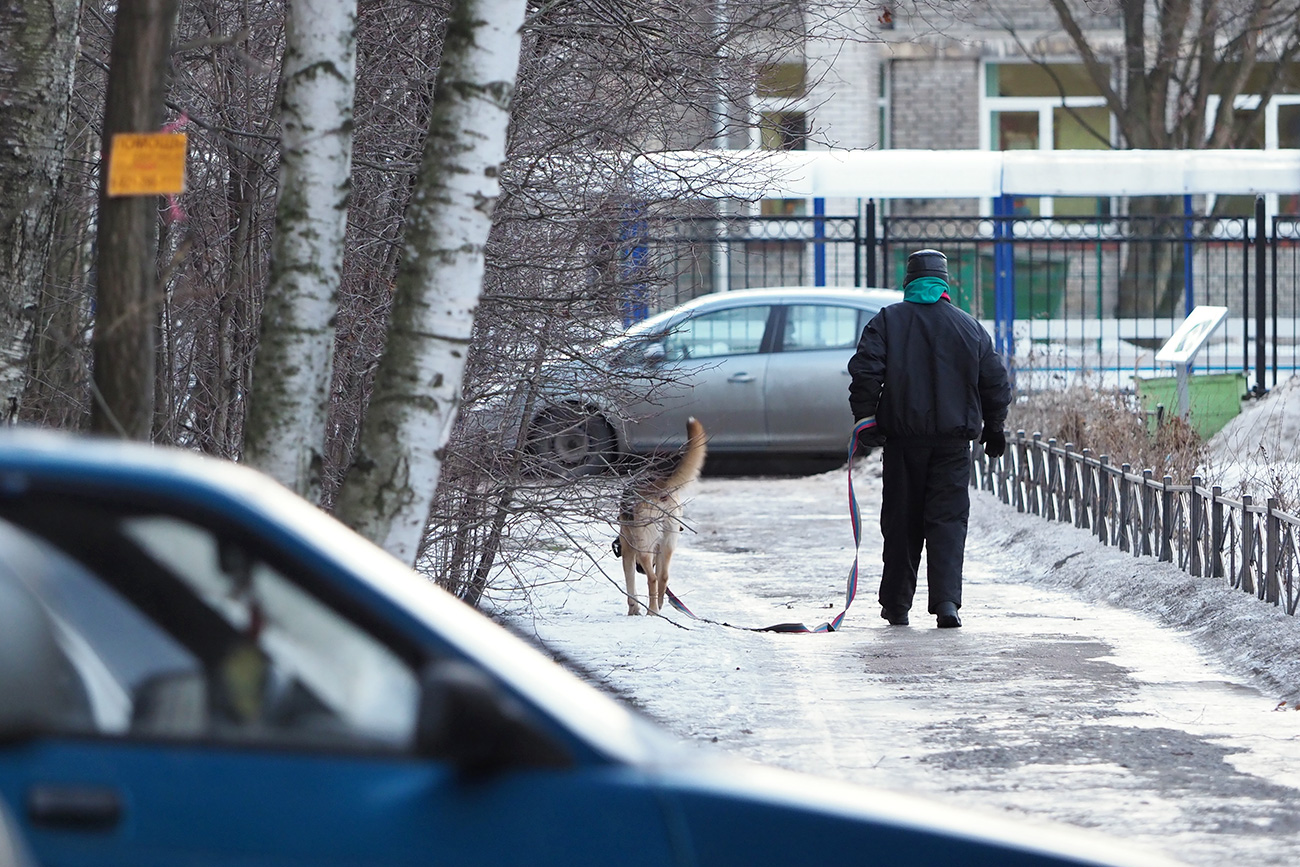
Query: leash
[(834, 624)]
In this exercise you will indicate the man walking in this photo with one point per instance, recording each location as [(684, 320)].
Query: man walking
[(927, 372)]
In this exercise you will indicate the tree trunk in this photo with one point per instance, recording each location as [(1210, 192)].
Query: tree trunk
[(127, 301), (292, 372), (388, 491), (1151, 283), (36, 74)]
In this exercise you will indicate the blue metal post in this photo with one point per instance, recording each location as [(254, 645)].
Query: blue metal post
[(634, 258), (819, 247), (1189, 292), (1004, 277)]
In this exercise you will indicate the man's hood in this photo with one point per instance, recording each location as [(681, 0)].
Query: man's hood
[(926, 290)]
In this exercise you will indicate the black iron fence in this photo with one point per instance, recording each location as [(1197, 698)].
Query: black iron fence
[(698, 255), (1066, 294), (1062, 295), (1249, 546)]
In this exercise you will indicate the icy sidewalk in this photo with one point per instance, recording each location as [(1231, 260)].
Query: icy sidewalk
[(1047, 705)]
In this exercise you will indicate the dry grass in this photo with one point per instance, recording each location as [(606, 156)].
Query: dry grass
[(1111, 423)]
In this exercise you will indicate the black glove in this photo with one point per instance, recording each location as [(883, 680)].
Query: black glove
[(994, 442), (869, 438)]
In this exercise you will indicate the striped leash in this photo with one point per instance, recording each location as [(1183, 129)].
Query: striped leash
[(834, 624)]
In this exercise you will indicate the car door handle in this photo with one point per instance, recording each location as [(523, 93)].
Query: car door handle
[(84, 808), (740, 377)]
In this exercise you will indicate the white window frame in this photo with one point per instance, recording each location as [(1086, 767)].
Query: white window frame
[(760, 105), (1043, 106), (1250, 102)]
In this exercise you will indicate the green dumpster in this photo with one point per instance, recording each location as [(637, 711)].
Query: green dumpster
[(1213, 399)]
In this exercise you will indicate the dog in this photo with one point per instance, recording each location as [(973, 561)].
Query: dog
[(649, 520)]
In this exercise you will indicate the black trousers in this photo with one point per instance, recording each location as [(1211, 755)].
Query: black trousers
[(925, 503)]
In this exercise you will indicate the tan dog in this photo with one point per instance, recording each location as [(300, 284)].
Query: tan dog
[(649, 520)]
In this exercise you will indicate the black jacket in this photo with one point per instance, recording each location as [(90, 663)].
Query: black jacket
[(929, 374)]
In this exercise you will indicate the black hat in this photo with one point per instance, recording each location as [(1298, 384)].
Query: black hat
[(926, 263)]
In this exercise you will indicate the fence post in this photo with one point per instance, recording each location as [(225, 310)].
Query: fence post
[(1260, 310), (1148, 510), (1036, 473), (1273, 293), (870, 245), (1216, 532), (1021, 457), (1125, 507), (1247, 545), (884, 250), (1053, 479), (1103, 499), (1002, 463), (1197, 527), (1167, 520), (1083, 515), (1067, 498), (1272, 583)]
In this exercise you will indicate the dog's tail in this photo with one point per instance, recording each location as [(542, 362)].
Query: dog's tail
[(692, 461)]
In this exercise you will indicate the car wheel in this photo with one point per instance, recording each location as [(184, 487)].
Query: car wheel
[(572, 442)]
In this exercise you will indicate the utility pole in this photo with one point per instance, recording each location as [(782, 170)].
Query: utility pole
[(128, 297)]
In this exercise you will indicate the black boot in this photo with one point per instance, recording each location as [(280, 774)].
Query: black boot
[(946, 612), (895, 618)]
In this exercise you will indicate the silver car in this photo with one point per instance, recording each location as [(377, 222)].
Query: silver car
[(765, 370)]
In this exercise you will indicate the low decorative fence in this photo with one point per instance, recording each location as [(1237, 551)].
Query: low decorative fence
[(1250, 546)]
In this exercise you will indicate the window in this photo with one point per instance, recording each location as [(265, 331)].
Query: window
[(1277, 125), (782, 130), (1288, 136), (1028, 106), (1032, 79), (781, 123), (782, 81), (167, 629), (818, 326), (727, 332)]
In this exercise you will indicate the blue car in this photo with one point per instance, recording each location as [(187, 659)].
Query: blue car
[(197, 667)]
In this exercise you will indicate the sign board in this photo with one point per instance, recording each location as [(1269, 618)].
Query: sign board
[(1191, 335), (146, 164)]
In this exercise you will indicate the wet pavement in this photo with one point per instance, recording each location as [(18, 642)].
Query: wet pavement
[(1044, 706)]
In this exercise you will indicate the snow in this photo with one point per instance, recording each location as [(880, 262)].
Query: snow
[(1087, 687)]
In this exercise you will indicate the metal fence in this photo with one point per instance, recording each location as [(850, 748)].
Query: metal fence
[(1062, 295), (1249, 546), (1069, 294), (698, 255)]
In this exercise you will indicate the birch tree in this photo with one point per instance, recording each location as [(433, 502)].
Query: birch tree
[(36, 74), (388, 490), (285, 431)]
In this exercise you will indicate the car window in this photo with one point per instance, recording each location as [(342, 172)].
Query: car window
[(174, 631), (819, 326), (737, 331)]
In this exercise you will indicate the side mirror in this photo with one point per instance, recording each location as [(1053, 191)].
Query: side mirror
[(465, 719), (654, 353)]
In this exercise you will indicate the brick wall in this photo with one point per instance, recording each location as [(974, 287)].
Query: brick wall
[(934, 104)]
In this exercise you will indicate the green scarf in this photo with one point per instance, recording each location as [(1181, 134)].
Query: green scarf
[(925, 290)]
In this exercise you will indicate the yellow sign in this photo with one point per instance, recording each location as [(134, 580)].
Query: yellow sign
[(146, 164)]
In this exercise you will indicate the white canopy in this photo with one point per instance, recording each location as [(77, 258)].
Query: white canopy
[(947, 174)]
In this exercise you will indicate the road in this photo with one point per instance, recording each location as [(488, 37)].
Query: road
[(1044, 706)]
